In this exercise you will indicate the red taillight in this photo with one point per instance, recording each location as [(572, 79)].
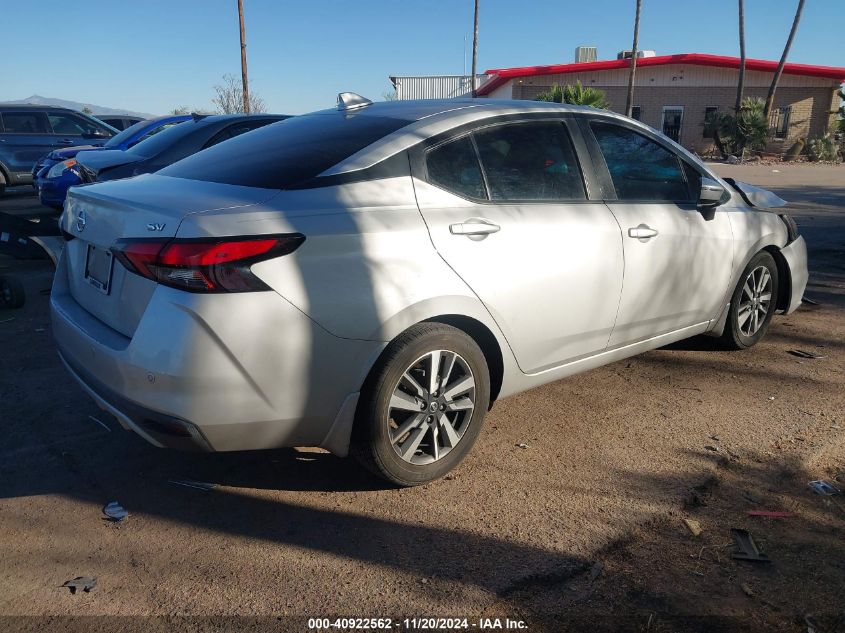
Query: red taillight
[(222, 265)]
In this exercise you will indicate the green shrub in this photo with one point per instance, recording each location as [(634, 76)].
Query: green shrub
[(823, 148), (575, 95)]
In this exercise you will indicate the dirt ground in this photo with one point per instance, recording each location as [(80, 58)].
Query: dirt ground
[(582, 530)]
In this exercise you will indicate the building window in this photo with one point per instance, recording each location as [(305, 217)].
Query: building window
[(779, 122), (709, 115), (673, 117), (637, 113)]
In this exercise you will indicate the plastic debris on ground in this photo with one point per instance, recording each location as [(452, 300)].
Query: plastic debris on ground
[(115, 511), (522, 445), (747, 548), (824, 488), (86, 583), (190, 483)]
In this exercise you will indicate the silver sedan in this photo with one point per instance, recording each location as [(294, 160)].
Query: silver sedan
[(372, 278)]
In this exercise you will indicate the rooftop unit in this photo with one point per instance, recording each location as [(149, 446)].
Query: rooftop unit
[(627, 54), (585, 54)]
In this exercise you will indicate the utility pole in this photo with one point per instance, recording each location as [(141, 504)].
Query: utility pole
[(741, 85), (244, 79), (629, 105), (474, 49)]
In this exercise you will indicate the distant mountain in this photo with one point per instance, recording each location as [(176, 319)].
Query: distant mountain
[(75, 105)]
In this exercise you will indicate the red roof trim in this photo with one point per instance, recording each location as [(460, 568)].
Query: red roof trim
[(502, 75)]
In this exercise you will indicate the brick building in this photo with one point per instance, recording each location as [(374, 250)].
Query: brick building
[(674, 93)]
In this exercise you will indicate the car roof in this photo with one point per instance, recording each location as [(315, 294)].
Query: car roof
[(427, 118), (33, 106)]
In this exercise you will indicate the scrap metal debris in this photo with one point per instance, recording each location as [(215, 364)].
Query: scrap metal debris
[(802, 353), (189, 483), (114, 511), (824, 488), (747, 547), (86, 583)]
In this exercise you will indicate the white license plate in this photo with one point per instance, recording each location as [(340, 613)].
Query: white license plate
[(98, 268)]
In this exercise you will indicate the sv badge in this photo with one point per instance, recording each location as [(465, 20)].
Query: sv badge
[(155, 226)]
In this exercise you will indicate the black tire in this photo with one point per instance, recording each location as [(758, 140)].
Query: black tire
[(737, 334), (371, 441), (12, 294)]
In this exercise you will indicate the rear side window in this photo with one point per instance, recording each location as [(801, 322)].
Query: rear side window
[(530, 161), (454, 167), (640, 168), (236, 130), (287, 153), (26, 123)]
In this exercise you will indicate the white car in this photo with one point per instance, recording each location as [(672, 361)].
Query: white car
[(374, 277)]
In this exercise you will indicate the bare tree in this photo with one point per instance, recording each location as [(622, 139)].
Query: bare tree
[(770, 98), (741, 85), (229, 97), (629, 103), (244, 80), (181, 110), (475, 50)]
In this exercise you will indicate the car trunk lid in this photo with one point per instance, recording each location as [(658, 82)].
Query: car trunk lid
[(147, 207)]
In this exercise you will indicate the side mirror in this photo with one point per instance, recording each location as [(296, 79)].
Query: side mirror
[(711, 193)]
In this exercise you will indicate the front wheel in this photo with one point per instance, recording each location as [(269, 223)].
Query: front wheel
[(753, 303), (422, 407)]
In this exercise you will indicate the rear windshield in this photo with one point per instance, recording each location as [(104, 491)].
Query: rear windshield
[(285, 154), (156, 144)]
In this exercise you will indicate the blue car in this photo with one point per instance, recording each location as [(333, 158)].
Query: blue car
[(57, 171)]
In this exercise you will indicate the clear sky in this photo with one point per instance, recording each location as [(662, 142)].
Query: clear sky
[(154, 55)]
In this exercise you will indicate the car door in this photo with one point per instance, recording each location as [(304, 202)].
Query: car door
[(26, 138), (71, 129), (678, 259), (508, 208)]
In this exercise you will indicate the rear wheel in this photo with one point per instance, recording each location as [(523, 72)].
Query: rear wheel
[(753, 303), (423, 406)]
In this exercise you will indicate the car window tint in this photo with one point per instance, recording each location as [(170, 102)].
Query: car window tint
[(236, 130), (286, 153), (530, 161), (454, 167), (640, 168), (26, 123), (69, 124)]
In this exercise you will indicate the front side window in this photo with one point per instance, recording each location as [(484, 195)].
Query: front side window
[(72, 125), (454, 167), (26, 123), (640, 168), (530, 161)]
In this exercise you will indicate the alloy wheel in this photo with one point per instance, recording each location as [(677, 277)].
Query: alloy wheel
[(755, 301), (430, 407)]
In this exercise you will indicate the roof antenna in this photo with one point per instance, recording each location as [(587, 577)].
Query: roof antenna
[(351, 101)]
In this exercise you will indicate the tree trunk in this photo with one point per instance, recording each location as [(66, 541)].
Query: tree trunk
[(474, 50), (770, 99), (244, 79), (629, 104), (741, 85)]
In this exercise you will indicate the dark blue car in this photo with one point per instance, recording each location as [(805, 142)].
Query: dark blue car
[(57, 171)]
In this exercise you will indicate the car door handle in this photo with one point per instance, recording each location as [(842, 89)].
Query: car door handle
[(65, 141), (642, 232), (474, 226)]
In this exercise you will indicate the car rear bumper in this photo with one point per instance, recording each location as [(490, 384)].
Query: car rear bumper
[(214, 372), (795, 254)]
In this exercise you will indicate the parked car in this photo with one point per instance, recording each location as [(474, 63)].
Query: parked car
[(373, 278), (150, 155), (119, 122), (28, 132), (56, 172)]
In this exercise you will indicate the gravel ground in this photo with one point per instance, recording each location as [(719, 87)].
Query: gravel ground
[(581, 530)]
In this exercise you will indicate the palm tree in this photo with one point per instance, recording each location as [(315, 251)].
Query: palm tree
[(629, 104), (770, 99), (741, 83), (474, 48), (575, 95)]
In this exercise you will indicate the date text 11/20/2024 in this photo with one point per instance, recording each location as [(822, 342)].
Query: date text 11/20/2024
[(416, 624)]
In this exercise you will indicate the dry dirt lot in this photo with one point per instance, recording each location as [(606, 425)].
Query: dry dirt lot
[(582, 530)]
